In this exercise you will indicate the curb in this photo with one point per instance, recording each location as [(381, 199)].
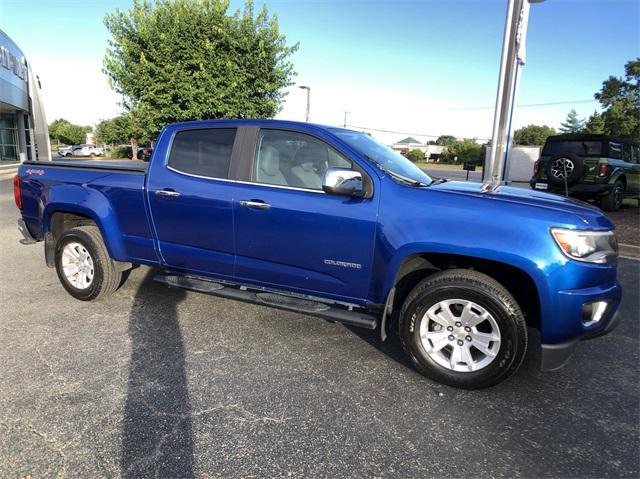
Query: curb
[(629, 251)]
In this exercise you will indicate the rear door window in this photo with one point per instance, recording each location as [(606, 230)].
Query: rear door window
[(204, 152), (615, 149)]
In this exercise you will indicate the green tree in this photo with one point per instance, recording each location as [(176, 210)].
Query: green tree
[(572, 124), (595, 124), (464, 151), (446, 140), (54, 129), (110, 131), (71, 134), (620, 100), (184, 60), (415, 155), (533, 135)]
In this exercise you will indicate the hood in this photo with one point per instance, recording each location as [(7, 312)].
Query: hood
[(588, 214)]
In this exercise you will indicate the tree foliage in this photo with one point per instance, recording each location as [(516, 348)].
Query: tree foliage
[(464, 151), (446, 140), (415, 155), (595, 124), (573, 124), (184, 60), (533, 135), (620, 100), (66, 132), (120, 129)]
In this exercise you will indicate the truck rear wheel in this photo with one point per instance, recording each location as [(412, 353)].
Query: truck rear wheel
[(464, 329), (83, 264), (612, 201)]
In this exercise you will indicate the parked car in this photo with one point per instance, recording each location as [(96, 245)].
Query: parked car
[(597, 167), (328, 222), (80, 150)]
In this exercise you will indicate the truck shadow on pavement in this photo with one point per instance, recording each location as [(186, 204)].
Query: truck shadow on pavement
[(157, 433)]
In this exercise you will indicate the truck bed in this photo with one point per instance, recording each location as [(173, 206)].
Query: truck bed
[(118, 165)]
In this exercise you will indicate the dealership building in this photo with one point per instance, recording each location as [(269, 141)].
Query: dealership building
[(23, 126)]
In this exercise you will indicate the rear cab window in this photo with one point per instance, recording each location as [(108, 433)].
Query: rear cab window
[(203, 152), (577, 147)]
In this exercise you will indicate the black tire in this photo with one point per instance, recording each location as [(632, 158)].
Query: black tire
[(484, 291), (575, 163), (612, 201), (106, 279)]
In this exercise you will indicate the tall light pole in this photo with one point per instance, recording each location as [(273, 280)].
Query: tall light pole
[(513, 57), (304, 87), (345, 118)]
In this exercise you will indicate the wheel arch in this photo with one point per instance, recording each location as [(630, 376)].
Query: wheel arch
[(417, 266), (59, 217), (619, 175)]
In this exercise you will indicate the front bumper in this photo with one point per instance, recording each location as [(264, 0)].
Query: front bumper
[(555, 355)]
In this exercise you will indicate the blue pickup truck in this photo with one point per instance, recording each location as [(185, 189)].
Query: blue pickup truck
[(330, 223)]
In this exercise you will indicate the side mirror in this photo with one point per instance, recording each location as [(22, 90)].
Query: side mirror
[(340, 181)]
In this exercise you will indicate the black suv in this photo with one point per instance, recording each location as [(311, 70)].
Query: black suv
[(589, 167)]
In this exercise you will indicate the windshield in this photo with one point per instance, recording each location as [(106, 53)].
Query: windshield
[(580, 148), (384, 156)]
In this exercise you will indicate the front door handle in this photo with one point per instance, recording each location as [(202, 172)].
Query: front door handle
[(167, 193), (259, 205)]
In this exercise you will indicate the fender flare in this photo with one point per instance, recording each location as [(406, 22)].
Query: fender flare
[(90, 203)]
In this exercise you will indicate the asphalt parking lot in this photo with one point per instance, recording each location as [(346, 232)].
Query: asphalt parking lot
[(158, 382)]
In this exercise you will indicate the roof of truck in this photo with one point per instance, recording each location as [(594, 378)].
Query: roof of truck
[(257, 122), (589, 137)]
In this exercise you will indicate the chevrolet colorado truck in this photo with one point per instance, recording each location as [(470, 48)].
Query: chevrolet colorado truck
[(330, 223)]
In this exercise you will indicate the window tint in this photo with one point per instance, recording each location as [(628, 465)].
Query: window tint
[(205, 152), (635, 149), (615, 150), (294, 159), (580, 148), (626, 152)]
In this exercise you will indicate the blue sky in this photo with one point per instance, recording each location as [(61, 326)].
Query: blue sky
[(404, 66)]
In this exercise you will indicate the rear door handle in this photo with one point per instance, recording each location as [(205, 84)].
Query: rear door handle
[(256, 204), (167, 193)]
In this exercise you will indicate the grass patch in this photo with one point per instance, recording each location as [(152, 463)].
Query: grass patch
[(442, 166)]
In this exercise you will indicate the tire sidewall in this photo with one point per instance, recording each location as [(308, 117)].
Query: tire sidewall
[(510, 342), (618, 195), (77, 236)]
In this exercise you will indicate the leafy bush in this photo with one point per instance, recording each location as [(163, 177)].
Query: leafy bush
[(119, 152), (415, 155)]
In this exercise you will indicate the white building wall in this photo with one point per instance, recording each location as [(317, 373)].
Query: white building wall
[(520, 162)]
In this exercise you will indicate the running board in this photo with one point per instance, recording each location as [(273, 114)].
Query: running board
[(272, 299)]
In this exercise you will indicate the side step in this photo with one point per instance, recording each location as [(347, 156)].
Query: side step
[(268, 298)]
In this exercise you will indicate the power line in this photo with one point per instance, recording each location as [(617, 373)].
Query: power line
[(412, 134), (529, 105)]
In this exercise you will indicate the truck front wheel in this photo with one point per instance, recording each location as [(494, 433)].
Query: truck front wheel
[(83, 264), (464, 329)]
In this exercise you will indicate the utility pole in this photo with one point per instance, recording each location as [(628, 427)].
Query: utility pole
[(304, 87), (345, 118), (513, 57)]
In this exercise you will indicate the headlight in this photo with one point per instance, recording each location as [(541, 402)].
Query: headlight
[(590, 246)]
